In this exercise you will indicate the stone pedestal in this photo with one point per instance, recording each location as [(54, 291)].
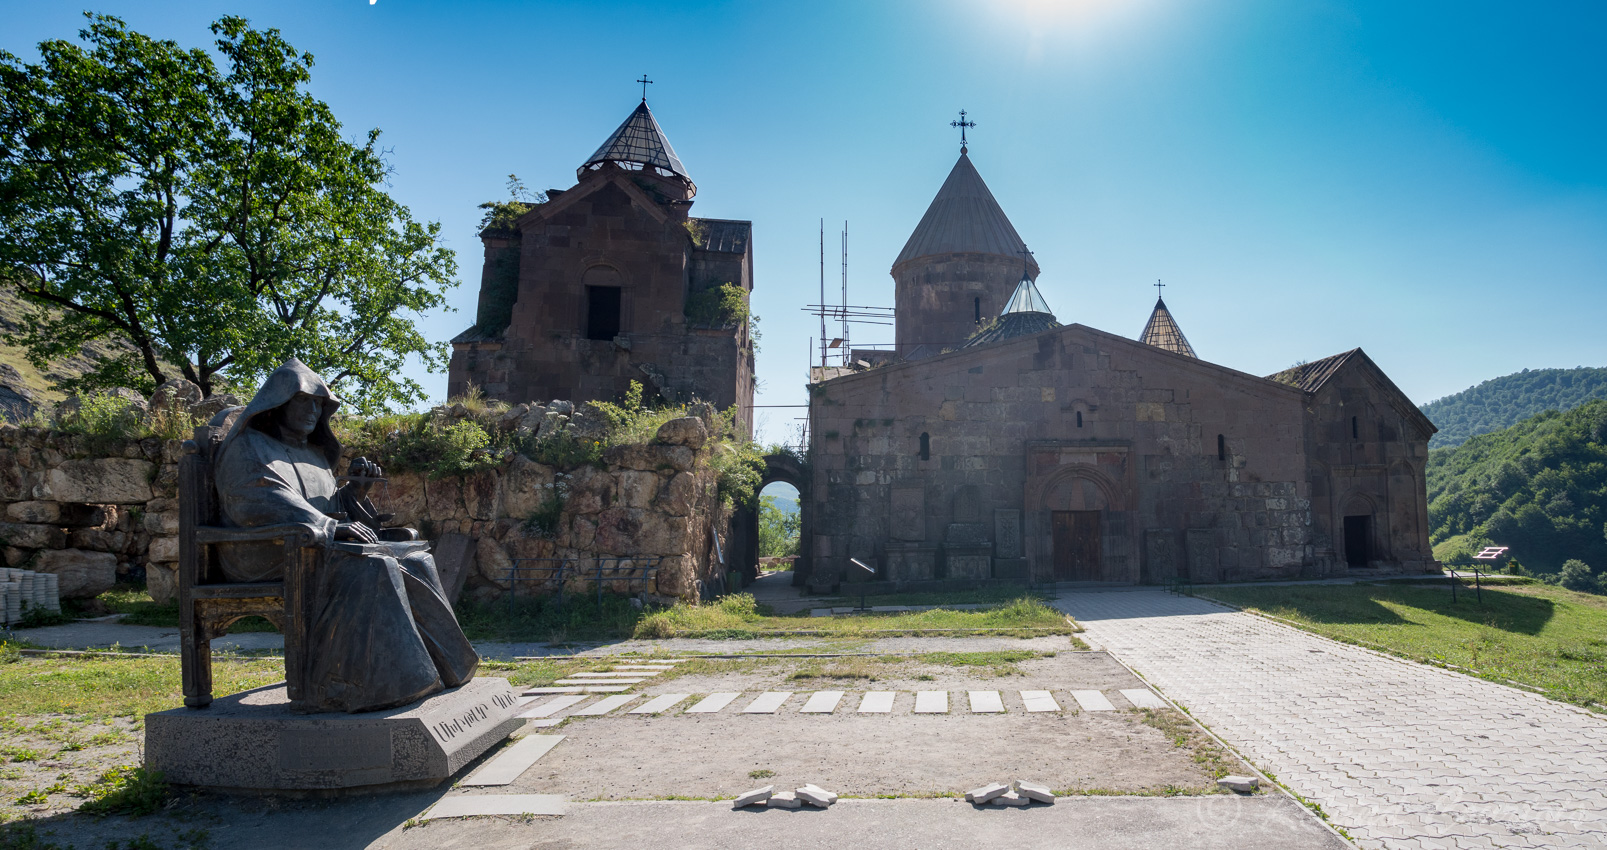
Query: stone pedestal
[(968, 562), (252, 742)]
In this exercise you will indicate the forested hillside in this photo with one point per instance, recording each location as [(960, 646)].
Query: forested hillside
[(1539, 487), (1502, 402)]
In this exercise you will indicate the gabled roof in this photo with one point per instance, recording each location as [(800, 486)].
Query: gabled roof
[(1162, 332), (1027, 313), (964, 219), (639, 142), (1311, 376)]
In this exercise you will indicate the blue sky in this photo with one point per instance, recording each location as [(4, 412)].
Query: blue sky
[(1424, 180)]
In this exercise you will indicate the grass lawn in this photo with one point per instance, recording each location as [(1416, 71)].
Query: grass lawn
[(1542, 636), (987, 593), (737, 616)]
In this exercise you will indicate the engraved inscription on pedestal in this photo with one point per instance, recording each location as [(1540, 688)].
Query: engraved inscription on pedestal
[(1007, 533), (471, 719)]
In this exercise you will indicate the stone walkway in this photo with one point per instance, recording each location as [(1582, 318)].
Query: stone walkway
[(1401, 755)]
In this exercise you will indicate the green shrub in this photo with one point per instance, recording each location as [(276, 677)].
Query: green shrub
[(723, 306), (438, 449)]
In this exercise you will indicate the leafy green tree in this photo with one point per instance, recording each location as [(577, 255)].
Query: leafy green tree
[(1577, 575), (778, 529), (213, 217)]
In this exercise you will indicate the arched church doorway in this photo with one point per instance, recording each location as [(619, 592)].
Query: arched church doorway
[(782, 506)]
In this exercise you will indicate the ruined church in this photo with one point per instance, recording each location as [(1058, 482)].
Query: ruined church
[(611, 281), (995, 442)]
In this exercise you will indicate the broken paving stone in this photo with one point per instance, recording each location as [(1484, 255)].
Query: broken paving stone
[(1241, 784), (819, 790), (756, 797), (1034, 791), (783, 800), (1009, 798), (986, 792), (817, 797)]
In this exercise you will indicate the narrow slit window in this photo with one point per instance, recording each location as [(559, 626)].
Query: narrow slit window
[(926, 446), (1355, 429), (976, 303), (602, 312), (1221, 447), (1079, 419)]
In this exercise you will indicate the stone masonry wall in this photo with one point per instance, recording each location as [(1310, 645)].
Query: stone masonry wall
[(93, 518)]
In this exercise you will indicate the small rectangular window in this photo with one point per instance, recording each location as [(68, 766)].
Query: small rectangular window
[(602, 312), (1221, 447)]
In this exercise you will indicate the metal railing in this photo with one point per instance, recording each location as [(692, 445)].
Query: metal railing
[(636, 574)]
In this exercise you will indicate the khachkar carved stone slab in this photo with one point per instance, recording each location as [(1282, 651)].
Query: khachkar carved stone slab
[(1007, 533), (251, 741)]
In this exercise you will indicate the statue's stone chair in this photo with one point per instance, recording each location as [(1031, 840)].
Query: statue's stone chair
[(209, 605)]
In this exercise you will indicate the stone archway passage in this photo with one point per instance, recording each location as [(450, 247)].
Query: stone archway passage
[(787, 468)]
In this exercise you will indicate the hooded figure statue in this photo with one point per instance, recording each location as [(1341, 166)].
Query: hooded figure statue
[(381, 632)]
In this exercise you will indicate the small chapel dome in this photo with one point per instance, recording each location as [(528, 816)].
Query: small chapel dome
[(640, 144), (1162, 332), (1026, 313)]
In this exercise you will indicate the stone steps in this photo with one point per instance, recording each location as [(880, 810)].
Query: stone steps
[(863, 702)]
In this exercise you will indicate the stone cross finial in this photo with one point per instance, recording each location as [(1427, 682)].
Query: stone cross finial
[(962, 124), (645, 83)]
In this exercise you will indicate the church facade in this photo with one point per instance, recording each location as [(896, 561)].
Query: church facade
[(999, 444), (610, 281)]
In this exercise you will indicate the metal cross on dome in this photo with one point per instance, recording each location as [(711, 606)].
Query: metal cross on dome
[(645, 83), (1158, 286), (962, 124)]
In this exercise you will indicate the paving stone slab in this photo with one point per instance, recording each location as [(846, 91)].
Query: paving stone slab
[(543, 722), (605, 705), (1037, 701), (1009, 798), (986, 792), (986, 702), (659, 704), (614, 674), (633, 668), (475, 805), (1092, 701), (877, 702), (619, 684), (755, 797), (1143, 698), (714, 702), (554, 705), (932, 702), (1034, 791), (532, 692), (767, 703), (821, 702), (783, 800), (513, 761)]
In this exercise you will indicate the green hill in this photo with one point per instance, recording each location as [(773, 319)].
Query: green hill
[(1502, 402), (1539, 487)]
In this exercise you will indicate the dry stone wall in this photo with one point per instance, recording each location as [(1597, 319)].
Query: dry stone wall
[(94, 512)]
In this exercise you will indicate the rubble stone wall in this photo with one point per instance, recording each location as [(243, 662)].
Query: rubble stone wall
[(94, 517)]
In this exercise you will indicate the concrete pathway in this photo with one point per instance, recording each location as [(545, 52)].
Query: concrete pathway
[(1401, 755)]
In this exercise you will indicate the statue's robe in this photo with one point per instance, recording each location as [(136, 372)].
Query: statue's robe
[(381, 633)]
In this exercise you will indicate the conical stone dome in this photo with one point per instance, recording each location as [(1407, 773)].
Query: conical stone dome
[(1162, 332), (964, 218)]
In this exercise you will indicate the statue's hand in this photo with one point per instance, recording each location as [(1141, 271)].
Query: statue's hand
[(355, 531), (362, 467)]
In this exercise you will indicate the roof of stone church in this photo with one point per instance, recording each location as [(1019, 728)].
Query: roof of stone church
[(964, 219), (639, 142), (1311, 376), (1027, 313), (1162, 332), (725, 236)]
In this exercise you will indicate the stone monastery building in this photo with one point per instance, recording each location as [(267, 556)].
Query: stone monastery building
[(998, 443), (609, 281)]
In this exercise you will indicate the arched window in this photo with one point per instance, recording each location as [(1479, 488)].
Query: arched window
[(1079, 419), (977, 304), (1355, 429), (1221, 447), (926, 446)]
